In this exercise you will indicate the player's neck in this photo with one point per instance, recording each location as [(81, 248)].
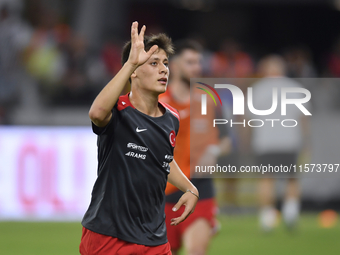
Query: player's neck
[(146, 103), (180, 91)]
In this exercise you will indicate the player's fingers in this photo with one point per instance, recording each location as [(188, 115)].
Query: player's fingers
[(141, 34), (186, 213), (134, 32), (152, 50), (174, 221), (178, 205), (181, 218)]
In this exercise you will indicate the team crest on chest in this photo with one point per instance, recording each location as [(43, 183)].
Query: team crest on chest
[(172, 138)]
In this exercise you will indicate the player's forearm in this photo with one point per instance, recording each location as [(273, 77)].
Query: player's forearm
[(106, 99), (179, 180)]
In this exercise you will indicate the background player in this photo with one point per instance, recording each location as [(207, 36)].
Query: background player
[(196, 232), (278, 145), (136, 138)]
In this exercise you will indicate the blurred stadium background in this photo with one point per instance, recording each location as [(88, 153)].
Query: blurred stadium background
[(56, 55)]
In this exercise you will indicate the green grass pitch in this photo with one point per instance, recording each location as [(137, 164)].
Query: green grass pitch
[(239, 235)]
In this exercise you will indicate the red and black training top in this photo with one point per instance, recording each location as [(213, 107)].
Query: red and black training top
[(134, 152)]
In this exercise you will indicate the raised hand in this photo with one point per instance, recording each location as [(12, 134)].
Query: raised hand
[(138, 56)]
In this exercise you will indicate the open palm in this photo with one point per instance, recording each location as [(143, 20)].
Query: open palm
[(138, 56)]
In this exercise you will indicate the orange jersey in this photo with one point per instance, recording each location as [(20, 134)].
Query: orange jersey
[(202, 132)]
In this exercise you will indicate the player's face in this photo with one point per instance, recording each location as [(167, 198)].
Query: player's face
[(153, 75), (189, 65)]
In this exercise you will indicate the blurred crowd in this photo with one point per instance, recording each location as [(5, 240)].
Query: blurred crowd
[(41, 47)]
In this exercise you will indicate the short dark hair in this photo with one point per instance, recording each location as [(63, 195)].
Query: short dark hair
[(161, 40), (187, 44)]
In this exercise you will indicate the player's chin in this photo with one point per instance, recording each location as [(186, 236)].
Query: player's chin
[(160, 88)]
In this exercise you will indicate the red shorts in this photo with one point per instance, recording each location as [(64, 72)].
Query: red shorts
[(97, 244), (205, 208)]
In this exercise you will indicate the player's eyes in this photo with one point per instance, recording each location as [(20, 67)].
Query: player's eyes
[(166, 64), (153, 63)]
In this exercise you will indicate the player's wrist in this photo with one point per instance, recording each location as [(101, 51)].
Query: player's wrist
[(194, 192), (130, 66)]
